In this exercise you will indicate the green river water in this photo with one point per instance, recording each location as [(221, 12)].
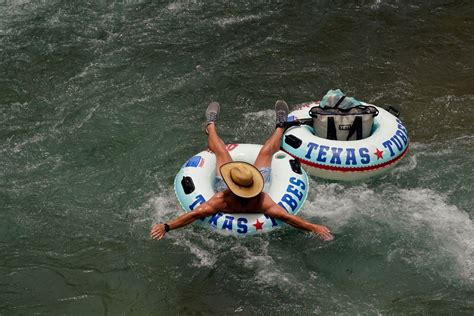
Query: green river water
[(101, 102)]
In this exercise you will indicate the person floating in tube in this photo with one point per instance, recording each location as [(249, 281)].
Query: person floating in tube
[(239, 185)]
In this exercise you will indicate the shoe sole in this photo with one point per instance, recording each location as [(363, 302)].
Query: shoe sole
[(212, 107), (281, 105)]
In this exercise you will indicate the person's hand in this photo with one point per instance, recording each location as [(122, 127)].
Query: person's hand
[(157, 231), (323, 232)]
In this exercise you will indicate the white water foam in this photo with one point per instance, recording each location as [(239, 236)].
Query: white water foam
[(257, 260), (432, 232), (208, 248), (199, 246), (417, 151), (223, 22), (418, 225), (181, 5), (255, 127), (451, 231), (264, 118), (163, 208)]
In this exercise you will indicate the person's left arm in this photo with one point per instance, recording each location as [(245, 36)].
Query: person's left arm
[(272, 209)]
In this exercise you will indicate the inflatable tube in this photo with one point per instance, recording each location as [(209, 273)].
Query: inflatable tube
[(347, 160), (194, 185)]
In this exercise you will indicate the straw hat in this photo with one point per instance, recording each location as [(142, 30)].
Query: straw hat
[(242, 178)]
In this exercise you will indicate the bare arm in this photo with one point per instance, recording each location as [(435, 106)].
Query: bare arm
[(206, 209), (272, 209)]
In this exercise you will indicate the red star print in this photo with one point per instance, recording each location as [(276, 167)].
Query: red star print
[(258, 225), (379, 154)]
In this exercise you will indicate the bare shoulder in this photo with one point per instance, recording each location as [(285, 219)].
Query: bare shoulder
[(270, 208), (215, 203), (266, 201), (218, 200), (218, 196)]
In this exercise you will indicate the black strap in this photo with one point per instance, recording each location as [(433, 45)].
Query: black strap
[(331, 129), (394, 111), (306, 121), (340, 101), (167, 227), (356, 127), (293, 141), (295, 166)]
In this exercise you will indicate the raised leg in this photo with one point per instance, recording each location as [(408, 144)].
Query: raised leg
[(214, 142), (217, 145), (271, 146)]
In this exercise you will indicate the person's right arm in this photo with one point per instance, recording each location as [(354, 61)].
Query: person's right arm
[(206, 209)]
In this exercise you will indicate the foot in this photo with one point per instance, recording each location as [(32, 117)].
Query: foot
[(212, 113), (281, 111)]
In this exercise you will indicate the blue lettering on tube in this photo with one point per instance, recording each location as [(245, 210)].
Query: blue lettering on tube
[(274, 222), (242, 225), (388, 144), (214, 218), (198, 201), (336, 155), (298, 183), (322, 153), (403, 129), (292, 189), (288, 199), (397, 142), (228, 222), (364, 155), (311, 146), (351, 156), (402, 136)]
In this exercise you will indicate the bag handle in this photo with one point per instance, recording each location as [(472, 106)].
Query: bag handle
[(331, 129), (339, 101), (356, 127)]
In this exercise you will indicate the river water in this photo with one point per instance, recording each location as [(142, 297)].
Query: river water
[(101, 102)]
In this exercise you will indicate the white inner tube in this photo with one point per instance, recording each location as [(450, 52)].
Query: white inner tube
[(288, 186), (347, 160)]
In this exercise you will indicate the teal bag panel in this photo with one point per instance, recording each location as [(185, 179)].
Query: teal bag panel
[(337, 99)]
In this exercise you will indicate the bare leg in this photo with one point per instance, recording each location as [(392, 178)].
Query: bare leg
[(217, 145), (271, 146)]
